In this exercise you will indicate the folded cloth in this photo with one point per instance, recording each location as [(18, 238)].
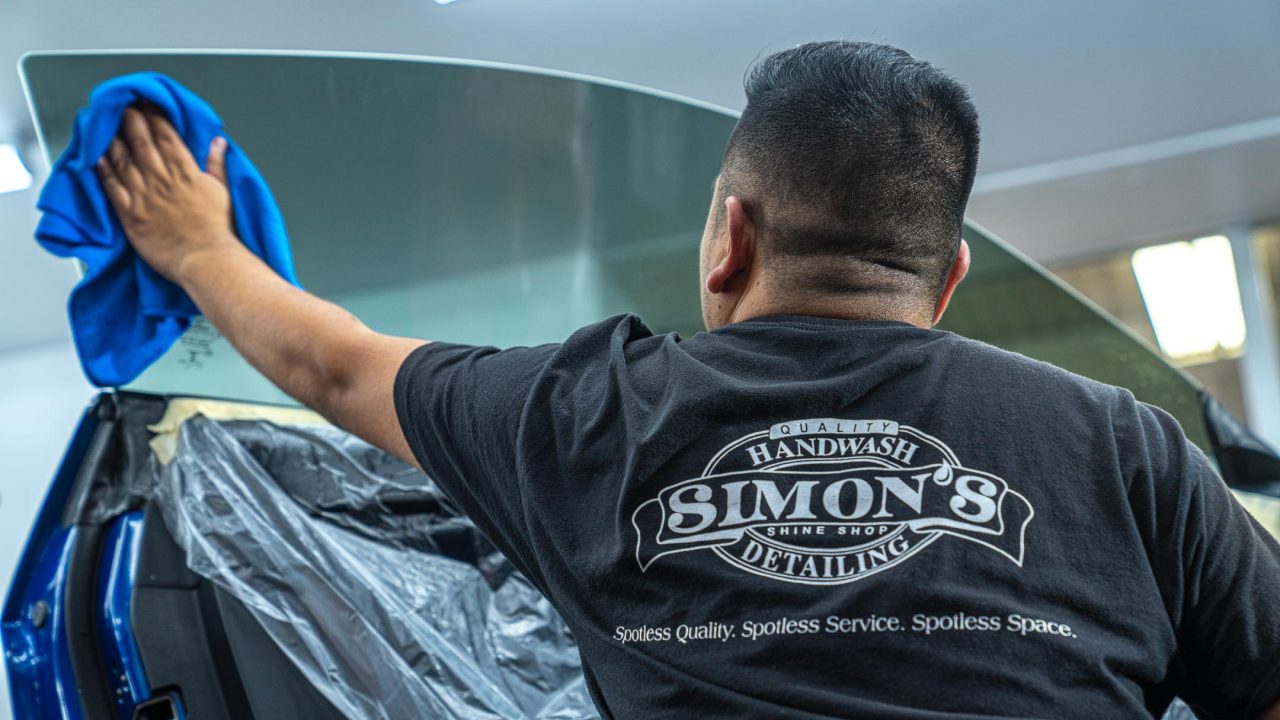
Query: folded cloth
[(123, 314)]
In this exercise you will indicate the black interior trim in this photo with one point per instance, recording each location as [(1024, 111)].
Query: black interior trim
[(169, 624), (215, 634), (99, 459), (274, 685), (80, 620)]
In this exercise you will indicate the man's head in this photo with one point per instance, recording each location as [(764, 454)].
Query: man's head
[(842, 190)]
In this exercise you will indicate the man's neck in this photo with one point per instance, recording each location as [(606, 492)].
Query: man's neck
[(848, 306)]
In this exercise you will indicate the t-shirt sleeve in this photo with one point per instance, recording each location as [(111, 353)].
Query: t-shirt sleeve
[(1222, 573), (460, 408)]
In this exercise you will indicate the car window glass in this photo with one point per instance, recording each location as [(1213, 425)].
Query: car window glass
[(483, 204)]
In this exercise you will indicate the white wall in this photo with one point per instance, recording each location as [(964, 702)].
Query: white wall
[(33, 284), (42, 394), (42, 390)]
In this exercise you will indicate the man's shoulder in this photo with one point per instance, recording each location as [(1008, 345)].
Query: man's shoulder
[(1040, 387), (978, 365), (614, 331), (1012, 369)]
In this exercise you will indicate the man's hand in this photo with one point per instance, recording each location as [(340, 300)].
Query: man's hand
[(170, 209), (179, 220)]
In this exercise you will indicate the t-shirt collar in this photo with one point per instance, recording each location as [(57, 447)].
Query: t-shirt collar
[(819, 321)]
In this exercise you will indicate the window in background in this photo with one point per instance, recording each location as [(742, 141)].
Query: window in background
[(1110, 283), (1192, 298)]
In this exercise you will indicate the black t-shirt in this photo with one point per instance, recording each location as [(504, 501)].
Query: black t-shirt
[(809, 517)]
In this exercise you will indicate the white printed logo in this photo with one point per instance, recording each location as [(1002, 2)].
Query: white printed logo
[(826, 501)]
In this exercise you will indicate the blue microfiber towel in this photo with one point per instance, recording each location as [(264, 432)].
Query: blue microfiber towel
[(124, 315)]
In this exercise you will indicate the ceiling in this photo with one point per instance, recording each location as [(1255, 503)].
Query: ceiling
[(1105, 125)]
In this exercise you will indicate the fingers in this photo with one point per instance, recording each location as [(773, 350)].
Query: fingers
[(125, 169), (172, 150), (149, 155), (217, 160), (136, 131), (111, 184)]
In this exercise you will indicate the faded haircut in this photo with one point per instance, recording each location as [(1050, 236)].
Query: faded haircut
[(856, 153)]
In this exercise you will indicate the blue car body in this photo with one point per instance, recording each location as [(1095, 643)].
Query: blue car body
[(43, 627)]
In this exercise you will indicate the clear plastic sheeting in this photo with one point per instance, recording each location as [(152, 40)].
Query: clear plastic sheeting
[(391, 604)]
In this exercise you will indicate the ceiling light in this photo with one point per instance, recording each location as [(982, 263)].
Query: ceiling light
[(1192, 297), (13, 174), (445, 2)]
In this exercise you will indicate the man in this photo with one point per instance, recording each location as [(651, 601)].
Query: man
[(821, 507)]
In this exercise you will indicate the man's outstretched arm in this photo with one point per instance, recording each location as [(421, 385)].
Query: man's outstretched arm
[(178, 218)]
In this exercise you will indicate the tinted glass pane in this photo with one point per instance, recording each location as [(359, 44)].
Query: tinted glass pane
[(1009, 301), (493, 205), (447, 201)]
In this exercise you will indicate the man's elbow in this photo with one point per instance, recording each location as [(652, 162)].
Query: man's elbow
[(352, 379), (332, 373)]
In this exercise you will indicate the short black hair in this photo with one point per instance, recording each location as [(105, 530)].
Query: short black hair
[(858, 151)]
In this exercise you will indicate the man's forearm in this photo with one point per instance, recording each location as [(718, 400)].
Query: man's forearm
[(178, 219), (305, 345)]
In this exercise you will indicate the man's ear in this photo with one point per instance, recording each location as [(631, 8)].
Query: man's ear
[(739, 243), (958, 270)]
